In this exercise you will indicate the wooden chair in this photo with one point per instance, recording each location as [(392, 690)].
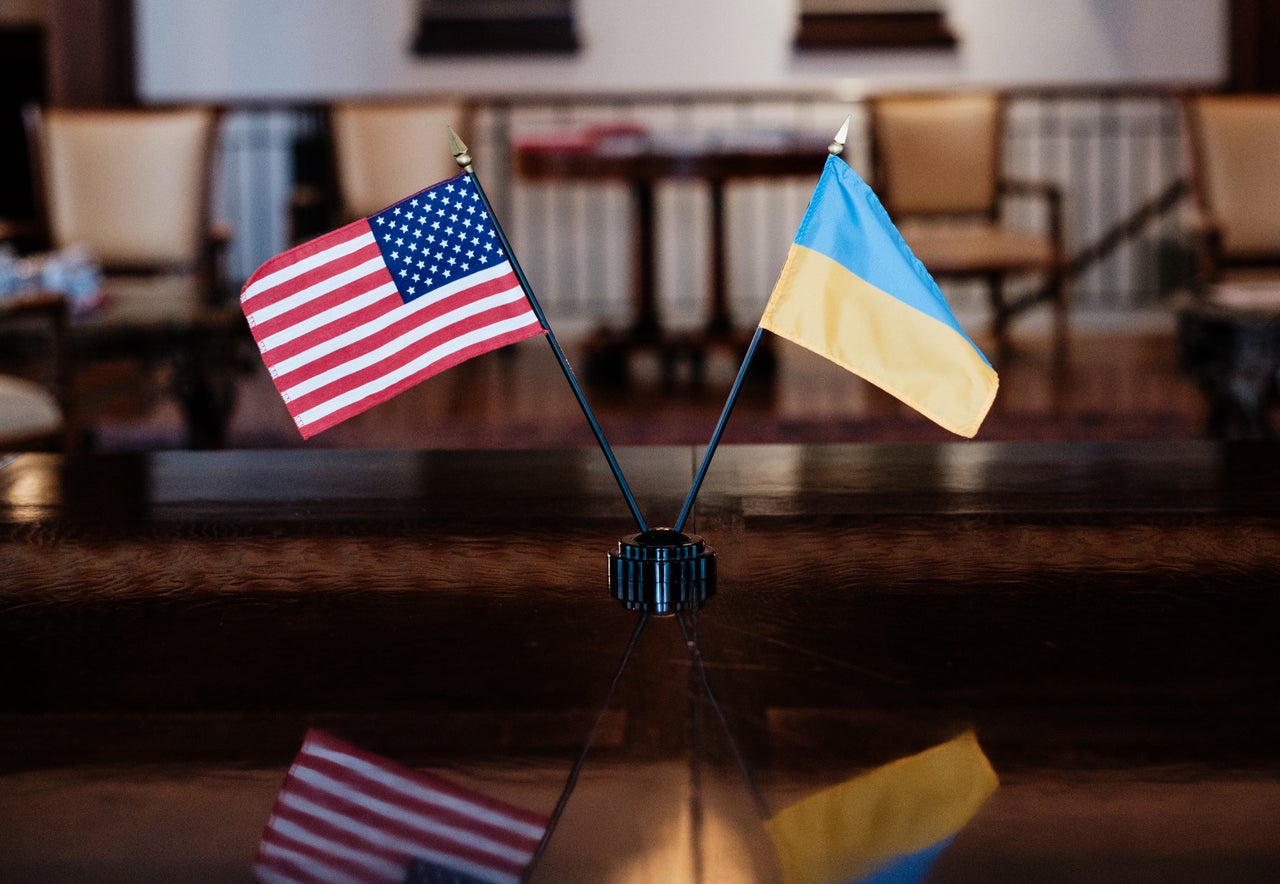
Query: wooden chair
[(133, 188), (35, 393), (1229, 330), (384, 151), (937, 169), (1235, 180)]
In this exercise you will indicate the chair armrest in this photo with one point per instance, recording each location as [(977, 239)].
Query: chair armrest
[(1206, 234), (1049, 191), (214, 270)]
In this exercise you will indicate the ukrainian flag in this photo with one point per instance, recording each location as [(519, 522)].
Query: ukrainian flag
[(888, 825), (852, 291)]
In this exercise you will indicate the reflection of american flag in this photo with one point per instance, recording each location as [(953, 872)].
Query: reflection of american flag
[(344, 814), (354, 317)]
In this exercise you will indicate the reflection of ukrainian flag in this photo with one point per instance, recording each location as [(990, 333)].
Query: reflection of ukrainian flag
[(885, 826), (852, 291)]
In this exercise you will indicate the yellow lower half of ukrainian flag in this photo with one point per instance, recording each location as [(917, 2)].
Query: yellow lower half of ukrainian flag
[(928, 364), (849, 830)]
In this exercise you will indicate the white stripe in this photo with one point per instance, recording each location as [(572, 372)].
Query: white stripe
[(376, 325), (396, 813), (303, 297), (384, 839), (427, 359), (284, 274), (359, 302), (425, 794), (370, 863), (315, 869), (337, 311)]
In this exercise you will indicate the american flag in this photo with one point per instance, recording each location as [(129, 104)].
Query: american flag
[(344, 814), (358, 315)]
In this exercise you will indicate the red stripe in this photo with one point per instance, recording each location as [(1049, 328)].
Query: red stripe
[(356, 784), (403, 323), (389, 303), (431, 781), (463, 355), (330, 832), (353, 868), (410, 319), (352, 288), (350, 782), (300, 253), (357, 377), (421, 840)]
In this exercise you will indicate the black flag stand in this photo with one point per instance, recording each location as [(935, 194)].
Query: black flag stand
[(659, 571)]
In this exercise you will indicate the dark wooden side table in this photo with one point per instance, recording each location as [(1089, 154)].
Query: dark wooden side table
[(164, 324), (641, 162), (1229, 341)]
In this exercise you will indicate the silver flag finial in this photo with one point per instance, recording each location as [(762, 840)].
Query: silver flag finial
[(836, 147), (461, 155)]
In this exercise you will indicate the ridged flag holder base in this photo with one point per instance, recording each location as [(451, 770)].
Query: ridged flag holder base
[(662, 571)]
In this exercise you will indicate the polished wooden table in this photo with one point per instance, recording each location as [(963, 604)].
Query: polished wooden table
[(641, 162), (1102, 615)]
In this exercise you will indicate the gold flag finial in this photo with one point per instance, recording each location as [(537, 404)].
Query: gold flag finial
[(461, 155), (836, 147)]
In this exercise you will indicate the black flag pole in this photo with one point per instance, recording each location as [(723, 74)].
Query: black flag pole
[(835, 148), (719, 430), (463, 158)]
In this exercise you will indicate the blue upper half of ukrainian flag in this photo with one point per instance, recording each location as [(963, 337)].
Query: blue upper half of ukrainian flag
[(852, 291)]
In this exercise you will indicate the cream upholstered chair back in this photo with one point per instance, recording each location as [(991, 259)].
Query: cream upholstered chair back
[(384, 151), (131, 186), (937, 154), (938, 170), (1236, 151)]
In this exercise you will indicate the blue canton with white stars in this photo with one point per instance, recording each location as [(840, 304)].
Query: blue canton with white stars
[(436, 237)]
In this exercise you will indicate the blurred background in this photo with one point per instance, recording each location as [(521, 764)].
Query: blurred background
[(1093, 103)]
